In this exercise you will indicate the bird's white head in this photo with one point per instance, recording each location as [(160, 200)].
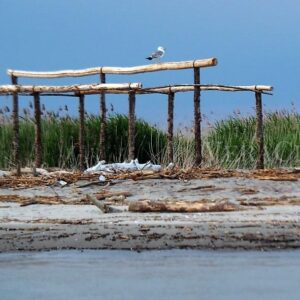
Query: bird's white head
[(160, 48)]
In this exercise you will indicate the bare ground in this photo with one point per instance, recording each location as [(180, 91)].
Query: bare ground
[(37, 213)]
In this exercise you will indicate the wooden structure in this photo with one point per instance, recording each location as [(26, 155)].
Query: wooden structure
[(132, 89)]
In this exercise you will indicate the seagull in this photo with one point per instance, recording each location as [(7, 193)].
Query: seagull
[(157, 54)]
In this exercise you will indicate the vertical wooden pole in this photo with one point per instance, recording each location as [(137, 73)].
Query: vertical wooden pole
[(197, 118), (131, 126), (170, 126), (81, 132), (102, 152), (259, 132), (16, 138), (38, 131)]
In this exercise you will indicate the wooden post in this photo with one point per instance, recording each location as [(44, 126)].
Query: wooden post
[(81, 132), (259, 132), (16, 139), (197, 118), (170, 126), (131, 126), (102, 142), (38, 131)]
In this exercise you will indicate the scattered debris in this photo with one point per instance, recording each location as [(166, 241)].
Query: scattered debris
[(102, 178), (62, 183), (246, 191), (106, 195), (48, 200), (206, 188), (104, 207), (134, 165), (142, 173), (4, 173), (269, 201)]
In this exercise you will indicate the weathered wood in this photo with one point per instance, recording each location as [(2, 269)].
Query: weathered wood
[(38, 131), (170, 127), (15, 117), (102, 152), (131, 126), (197, 118), (181, 206), (206, 87), (259, 132), (77, 88), (111, 89), (199, 63), (81, 132)]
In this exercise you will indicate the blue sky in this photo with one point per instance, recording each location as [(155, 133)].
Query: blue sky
[(256, 42)]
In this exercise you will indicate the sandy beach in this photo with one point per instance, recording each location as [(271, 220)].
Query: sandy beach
[(51, 216)]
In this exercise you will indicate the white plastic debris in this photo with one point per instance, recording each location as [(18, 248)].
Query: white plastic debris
[(134, 165), (62, 183), (171, 166), (4, 173), (102, 178)]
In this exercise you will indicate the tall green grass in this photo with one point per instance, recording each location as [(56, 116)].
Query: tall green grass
[(231, 143), (60, 141)]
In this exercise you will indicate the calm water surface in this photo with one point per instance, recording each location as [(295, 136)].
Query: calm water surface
[(176, 274)]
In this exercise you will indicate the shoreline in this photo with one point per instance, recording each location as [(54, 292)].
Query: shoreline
[(267, 229), (268, 218)]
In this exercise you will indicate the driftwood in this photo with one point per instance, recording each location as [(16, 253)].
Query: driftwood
[(16, 129), (207, 87), (125, 88), (102, 137), (181, 206), (38, 148), (131, 126), (104, 207), (270, 201), (197, 118), (170, 144), (77, 88), (259, 132), (205, 188), (81, 132), (108, 195), (199, 63)]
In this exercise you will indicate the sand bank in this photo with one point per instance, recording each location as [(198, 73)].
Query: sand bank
[(268, 218)]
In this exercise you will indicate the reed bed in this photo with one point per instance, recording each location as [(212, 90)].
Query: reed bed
[(229, 143), (60, 140)]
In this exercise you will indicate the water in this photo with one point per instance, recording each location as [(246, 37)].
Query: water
[(176, 274)]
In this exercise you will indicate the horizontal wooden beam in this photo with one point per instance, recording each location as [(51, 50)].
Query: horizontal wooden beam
[(207, 87), (125, 88), (80, 89), (199, 63)]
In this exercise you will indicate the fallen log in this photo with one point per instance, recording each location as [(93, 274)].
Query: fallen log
[(181, 206)]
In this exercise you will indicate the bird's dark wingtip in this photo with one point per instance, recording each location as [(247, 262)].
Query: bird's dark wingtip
[(149, 58)]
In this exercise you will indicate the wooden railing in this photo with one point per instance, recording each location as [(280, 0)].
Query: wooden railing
[(132, 89)]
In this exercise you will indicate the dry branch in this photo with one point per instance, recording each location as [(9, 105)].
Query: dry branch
[(199, 63)]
